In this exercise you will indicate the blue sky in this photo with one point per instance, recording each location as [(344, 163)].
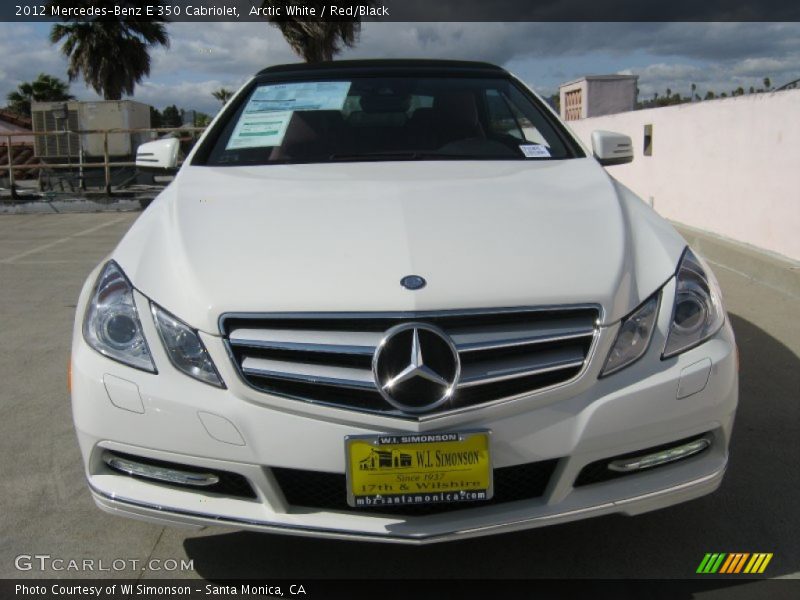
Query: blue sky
[(205, 56)]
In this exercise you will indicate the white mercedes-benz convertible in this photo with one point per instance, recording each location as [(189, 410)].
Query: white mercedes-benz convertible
[(399, 301)]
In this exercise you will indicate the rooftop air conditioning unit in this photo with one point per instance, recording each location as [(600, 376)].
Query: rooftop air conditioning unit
[(73, 116), (51, 117)]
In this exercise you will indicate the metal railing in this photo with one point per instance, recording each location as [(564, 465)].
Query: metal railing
[(107, 164)]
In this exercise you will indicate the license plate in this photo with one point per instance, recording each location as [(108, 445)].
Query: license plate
[(430, 468)]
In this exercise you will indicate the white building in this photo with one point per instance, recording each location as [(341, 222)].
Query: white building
[(597, 95)]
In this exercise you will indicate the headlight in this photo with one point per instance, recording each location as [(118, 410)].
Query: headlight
[(633, 336), (111, 324), (184, 347), (698, 312)]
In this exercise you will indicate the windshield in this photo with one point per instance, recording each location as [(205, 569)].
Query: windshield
[(385, 118)]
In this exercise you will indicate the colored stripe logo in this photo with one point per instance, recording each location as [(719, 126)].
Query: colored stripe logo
[(734, 563)]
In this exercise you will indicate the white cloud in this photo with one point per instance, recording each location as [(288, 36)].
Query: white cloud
[(203, 57), (719, 78), (237, 49), (759, 66), (23, 55), (195, 95)]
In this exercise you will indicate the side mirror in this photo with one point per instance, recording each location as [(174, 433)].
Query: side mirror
[(612, 148), (160, 155)]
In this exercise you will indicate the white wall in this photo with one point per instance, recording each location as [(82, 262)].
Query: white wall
[(729, 166)]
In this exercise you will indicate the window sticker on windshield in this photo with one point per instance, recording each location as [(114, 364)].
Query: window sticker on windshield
[(268, 112), (259, 129), (320, 95), (535, 150)]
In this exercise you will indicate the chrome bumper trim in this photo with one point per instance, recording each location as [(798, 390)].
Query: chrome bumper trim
[(411, 538)]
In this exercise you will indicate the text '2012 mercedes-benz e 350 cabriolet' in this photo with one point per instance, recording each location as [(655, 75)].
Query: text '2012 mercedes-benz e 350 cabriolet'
[(399, 301)]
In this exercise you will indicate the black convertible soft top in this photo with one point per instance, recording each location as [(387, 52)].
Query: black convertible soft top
[(342, 67)]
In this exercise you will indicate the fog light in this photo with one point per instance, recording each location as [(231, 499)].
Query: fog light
[(637, 463), (137, 469)]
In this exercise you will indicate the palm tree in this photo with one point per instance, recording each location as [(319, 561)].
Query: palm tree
[(112, 54), (222, 94), (45, 88), (314, 40)]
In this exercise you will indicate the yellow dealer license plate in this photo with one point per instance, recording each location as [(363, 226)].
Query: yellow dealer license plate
[(424, 468)]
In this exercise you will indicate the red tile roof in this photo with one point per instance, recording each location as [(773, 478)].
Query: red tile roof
[(14, 118)]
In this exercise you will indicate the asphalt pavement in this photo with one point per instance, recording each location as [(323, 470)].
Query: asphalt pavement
[(47, 509)]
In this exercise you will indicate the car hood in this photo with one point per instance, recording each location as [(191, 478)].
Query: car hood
[(339, 237)]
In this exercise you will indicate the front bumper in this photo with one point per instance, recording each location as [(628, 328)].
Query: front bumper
[(505, 523), (246, 432)]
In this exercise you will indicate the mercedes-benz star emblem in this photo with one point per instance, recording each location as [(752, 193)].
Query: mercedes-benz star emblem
[(413, 282), (416, 367)]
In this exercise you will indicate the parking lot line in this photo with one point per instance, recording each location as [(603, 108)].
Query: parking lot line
[(16, 257)]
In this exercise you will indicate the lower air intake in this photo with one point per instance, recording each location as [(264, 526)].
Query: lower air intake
[(327, 491)]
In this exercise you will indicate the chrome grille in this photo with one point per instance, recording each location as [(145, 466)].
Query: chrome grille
[(327, 357)]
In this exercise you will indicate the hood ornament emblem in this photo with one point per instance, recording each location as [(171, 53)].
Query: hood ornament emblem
[(413, 282)]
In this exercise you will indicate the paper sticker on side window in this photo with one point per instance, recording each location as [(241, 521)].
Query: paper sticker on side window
[(535, 151)]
